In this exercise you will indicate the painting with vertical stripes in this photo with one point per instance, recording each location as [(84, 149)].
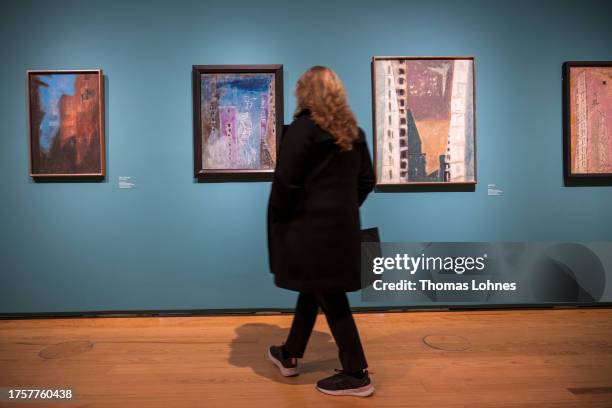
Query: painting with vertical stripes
[(588, 114), (424, 120)]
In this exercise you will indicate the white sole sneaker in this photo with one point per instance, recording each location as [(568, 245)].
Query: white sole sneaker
[(364, 391), (285, 372)]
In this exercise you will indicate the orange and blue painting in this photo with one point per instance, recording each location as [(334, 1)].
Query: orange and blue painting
[(590, 126), (424, 120), (66, 136), (238, 121)]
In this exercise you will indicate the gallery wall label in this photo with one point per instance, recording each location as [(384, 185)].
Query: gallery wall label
[(126, 182), (494, 190)]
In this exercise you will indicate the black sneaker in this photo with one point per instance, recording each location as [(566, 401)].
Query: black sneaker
[(288, 369), (344, 384)]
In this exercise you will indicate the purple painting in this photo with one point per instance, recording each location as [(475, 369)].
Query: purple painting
[(238, 121)]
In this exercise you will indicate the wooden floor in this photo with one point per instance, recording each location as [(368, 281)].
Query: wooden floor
[(528, 358)]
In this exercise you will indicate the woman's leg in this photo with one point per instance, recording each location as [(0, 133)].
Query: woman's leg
[(342, 325), (303, 322)]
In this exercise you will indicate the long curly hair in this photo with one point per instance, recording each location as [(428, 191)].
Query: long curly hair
[(321, 91)]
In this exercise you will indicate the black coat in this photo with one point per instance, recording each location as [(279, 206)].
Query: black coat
[(314, 239)]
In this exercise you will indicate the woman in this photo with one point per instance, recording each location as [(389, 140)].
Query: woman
[(323, 174)]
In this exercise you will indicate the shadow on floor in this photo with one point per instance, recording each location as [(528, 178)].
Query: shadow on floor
[(249, 349)]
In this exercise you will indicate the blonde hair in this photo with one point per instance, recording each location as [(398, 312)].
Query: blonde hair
[(321, 91)]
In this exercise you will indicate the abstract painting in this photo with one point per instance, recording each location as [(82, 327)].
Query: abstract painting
[(238, 110), (424, 130), (66, 121), (588, 119)]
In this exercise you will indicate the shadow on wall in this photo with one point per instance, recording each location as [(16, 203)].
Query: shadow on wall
[(249, 349)]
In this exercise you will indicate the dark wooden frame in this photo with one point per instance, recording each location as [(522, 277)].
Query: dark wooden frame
[(68, 176), (577, 179), (424, 186), (214, 175)]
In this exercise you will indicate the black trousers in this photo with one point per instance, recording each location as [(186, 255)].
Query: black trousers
[(336, 308)]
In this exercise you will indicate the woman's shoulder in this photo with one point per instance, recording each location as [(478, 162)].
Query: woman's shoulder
[(302, 119), (302, 128), (303, 113), (361, 136), (304, 125)]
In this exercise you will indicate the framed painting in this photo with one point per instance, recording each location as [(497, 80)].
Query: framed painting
[(66, 123), (587, 111), (238, 111), (424, 121)]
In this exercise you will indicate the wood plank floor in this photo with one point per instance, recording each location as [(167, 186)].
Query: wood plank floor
[(525, 358)]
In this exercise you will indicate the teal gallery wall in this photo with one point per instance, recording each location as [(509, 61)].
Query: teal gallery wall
[(171, 243)]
